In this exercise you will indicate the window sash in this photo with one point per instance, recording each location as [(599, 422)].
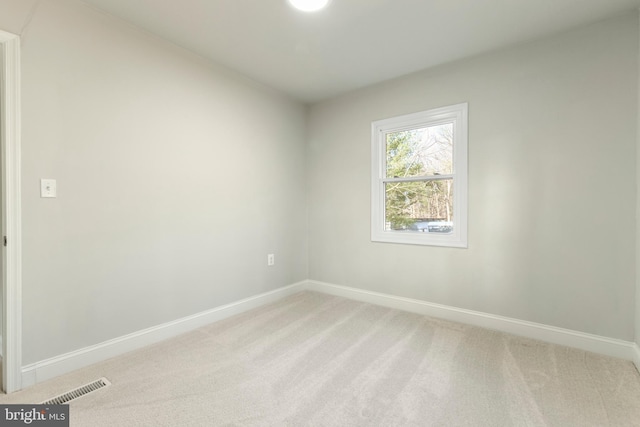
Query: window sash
[(456, 114), (419, 178)]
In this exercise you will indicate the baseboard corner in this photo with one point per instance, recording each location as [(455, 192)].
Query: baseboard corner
[(550, 334), (58, 365)]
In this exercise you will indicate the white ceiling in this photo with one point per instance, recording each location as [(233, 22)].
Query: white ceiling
[(352, 43)]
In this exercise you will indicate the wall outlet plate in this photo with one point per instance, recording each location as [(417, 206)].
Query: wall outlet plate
[(48, 188)]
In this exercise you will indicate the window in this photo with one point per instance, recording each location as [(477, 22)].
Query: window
[(419, 178)]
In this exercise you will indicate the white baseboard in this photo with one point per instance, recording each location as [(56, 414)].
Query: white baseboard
[(55, 366), (583, 341)]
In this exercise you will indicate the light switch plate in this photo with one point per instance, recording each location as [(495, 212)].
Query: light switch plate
[(48, 188)]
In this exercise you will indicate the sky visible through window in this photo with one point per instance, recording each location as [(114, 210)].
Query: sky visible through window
[(420, 152)]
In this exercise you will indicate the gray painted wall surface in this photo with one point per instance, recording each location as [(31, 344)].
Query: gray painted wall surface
[(552, 175), (637, 323), (175, 179)]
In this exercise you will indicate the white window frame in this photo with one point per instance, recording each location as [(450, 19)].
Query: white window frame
[(456, 114)]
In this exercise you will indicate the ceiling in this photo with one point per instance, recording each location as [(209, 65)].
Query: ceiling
[(352, 43)]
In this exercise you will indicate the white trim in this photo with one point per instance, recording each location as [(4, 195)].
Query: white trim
[(58, 365), (456, 114), (551, 334), (11, 226)]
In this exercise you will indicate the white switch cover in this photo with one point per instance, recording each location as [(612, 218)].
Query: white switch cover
[(48, 188)]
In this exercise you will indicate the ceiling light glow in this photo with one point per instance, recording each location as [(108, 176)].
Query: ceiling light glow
[(309, 5)]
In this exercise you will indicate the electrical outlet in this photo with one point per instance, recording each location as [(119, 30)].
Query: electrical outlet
[(271, 260)]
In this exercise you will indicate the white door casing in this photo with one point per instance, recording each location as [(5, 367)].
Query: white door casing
[(11, 228)]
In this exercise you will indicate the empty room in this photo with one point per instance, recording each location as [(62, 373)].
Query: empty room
[(323, 213)]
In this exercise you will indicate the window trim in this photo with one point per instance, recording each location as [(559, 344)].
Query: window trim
[(456, 114)]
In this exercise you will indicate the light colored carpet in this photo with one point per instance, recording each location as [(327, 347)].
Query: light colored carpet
[(320, 360)]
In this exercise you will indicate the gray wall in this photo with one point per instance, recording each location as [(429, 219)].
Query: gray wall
[(175, 179), (637, 324), (552, 175)]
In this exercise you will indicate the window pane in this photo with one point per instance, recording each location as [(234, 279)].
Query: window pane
[(420, 152), (420, 206)]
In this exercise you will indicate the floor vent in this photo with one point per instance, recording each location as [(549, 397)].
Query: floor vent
[(77, 393)]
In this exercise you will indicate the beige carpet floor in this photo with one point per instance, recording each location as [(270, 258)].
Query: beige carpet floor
[(319, 360)]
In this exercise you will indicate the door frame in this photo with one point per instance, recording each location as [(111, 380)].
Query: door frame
[(10, 131)]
